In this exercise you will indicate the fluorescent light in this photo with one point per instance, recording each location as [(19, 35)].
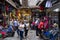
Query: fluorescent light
[(48, 4), (21, 2), (56, 10)]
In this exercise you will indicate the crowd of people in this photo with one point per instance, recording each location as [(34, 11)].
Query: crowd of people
[(44, 28), (15, 25), (41, 25), (21, 26)]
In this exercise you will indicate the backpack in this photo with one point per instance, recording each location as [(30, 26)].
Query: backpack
[(36, 22), (25, 27)]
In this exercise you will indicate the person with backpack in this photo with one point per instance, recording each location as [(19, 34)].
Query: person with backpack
[(26, 28), (41, 27), (36, 26)]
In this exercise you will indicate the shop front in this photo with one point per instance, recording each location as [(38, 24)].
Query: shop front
[(24, 14)]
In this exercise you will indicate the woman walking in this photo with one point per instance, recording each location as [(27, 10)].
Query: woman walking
[(21, 29)]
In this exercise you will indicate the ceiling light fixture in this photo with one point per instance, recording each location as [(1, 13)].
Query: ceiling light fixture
[(48, 4), (56, 10)]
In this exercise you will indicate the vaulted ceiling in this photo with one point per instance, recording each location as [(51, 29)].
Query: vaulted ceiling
[(31, 3)]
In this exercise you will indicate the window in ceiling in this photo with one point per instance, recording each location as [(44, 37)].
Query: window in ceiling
[(48, 4), (32, 2)]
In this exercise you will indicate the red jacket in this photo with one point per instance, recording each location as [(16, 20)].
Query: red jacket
[(41, 24)]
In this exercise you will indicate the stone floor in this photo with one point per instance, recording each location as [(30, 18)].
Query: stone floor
[(31, 36)]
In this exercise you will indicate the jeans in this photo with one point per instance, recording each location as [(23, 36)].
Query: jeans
[(18, 32), (21, 35)]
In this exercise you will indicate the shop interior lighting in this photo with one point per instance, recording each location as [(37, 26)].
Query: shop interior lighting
[(56, 10), (48, 4), (20, 2)]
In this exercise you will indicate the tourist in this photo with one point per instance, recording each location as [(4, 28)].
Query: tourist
[(21, 29), (16, 24), (26, 28)]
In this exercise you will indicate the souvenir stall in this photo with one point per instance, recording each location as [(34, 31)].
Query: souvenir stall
[(24, 14), (13, 14), (38, 12), (52, 32), (8, 10), (3, 13)]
